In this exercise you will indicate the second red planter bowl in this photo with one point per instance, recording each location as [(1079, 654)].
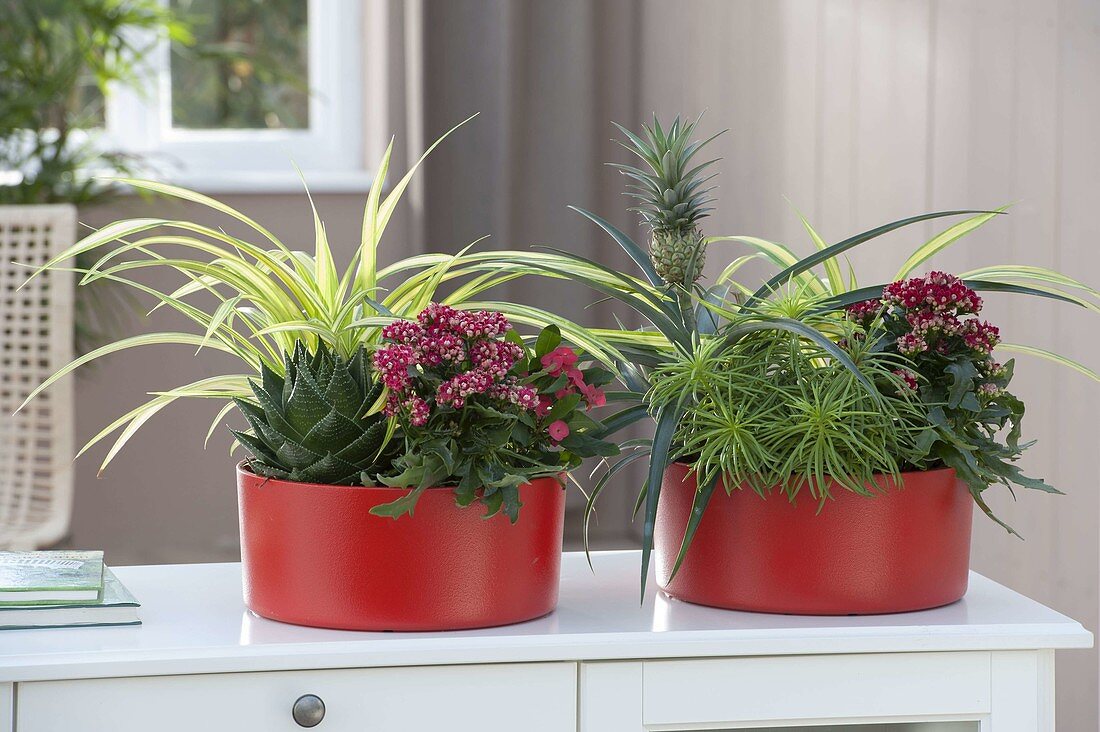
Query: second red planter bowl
[(907, 548)]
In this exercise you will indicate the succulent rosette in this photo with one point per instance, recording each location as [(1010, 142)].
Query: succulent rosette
[(480, 411)]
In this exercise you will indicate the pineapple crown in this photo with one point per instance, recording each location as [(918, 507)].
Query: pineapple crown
[(316, 424), (670, 195)]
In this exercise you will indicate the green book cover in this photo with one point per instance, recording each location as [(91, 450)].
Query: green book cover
[(117, 607), (50, 577)]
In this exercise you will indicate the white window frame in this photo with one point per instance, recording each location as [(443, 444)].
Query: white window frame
[(330, 153)]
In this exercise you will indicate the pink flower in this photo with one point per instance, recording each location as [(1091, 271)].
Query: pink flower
[(939, 291), (418, 411), (448, 356), (576, 377), (908, 378), (526, 397), (436, 314), (864, 312), (440, 344), (480, 323), (392, 363), (981, 336), (457, 389), (542, 408), (414, 408), (593, 395), (510, 391), (403, 331), (560, 359), (911, 343), (495, 357), (558, 430)]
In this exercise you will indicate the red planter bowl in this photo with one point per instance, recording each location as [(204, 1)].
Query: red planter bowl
[(905, 549), (315, 555)]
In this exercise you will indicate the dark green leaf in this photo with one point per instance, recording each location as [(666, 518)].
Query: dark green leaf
[(563, 406), (587, 446), (699, 504), (548, 340), (963, 374), (667, 420), (733, 333), (623, 419), (634, 251), (831, 251)]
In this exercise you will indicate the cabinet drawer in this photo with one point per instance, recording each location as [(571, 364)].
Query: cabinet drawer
[(487, 698), (818, 688)]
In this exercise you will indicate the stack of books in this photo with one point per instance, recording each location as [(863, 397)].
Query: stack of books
[(61, 589)]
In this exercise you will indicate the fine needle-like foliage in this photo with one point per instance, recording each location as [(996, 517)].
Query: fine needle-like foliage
[(775, 411)]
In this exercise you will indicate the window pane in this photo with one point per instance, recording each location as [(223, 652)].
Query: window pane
[(248, 66), (86, 106)]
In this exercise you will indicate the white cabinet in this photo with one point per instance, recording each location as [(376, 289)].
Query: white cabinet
[(721, 692), (890, 692), (601, 663), (484, 698)]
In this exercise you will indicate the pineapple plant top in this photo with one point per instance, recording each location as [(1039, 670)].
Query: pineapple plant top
[(318, 424), (671, 195)]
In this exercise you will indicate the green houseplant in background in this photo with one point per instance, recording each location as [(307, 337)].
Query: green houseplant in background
[(58, 61), (369, 393), (829, 439)]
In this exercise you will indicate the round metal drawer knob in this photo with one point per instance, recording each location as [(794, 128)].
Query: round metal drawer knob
[(308, 710)]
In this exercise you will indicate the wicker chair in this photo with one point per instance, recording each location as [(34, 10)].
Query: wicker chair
[(36, 334)]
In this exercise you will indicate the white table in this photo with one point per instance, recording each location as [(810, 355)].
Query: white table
[(601, 663)]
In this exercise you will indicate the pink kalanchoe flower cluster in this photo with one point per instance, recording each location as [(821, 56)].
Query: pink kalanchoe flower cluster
[(393, 363), (461, 346), (417, 409), (495, 357), (455, 391), (935, 308), (938, 291), (981, 336), (403, 331), (908, 378), (937, 315), (864, 312), (911, 343), (481, 324), (512, 391)]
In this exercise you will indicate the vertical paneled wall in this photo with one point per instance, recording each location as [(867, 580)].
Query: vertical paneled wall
[(864, 111)]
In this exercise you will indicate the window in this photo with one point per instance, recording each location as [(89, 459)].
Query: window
[(266, 86)]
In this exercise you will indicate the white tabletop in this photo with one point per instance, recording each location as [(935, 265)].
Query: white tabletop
[(195, 622)]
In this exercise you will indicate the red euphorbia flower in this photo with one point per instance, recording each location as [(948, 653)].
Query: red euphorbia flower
[(560, 359), (558, 430)]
